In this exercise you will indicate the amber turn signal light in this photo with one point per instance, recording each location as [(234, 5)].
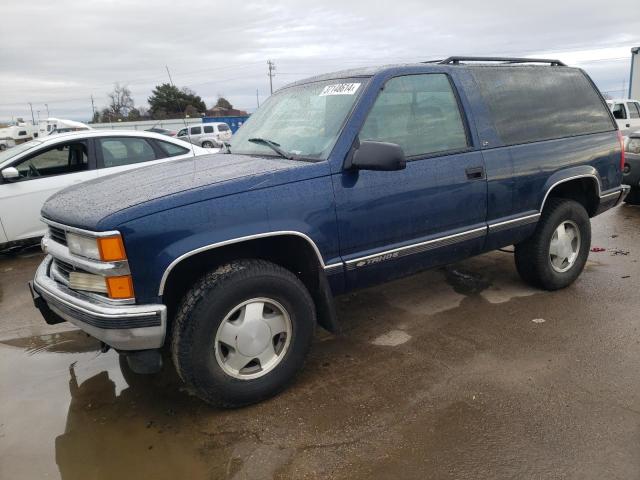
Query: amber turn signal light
[(120, 287), (111, 249)]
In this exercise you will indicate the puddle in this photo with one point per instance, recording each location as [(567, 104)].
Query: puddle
[(65, 342), (466, 282)]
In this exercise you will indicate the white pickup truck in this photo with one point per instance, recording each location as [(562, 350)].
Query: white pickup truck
[(627, 114)]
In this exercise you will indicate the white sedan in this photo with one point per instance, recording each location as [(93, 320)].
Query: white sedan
[(31, 172)]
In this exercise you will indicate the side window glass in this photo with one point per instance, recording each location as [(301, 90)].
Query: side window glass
[(196, 130), (58, 160), (182, 132), (418, 112), (171, 149), (633, 110), (125, 151), (208, 129), (618, 111)]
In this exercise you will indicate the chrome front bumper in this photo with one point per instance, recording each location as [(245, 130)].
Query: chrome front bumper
[(123, 327)]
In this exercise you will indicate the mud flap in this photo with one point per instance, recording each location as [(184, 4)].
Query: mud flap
[(325, 306)]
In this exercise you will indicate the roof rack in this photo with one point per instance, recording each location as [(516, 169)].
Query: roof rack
[(507, 60)]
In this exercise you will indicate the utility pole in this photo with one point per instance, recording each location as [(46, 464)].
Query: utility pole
[(33, 120), (272, 69), (257, 98), (93, 109), (47, 107)]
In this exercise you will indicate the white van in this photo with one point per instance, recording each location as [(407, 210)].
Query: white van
[(207, 135), (627, 114)]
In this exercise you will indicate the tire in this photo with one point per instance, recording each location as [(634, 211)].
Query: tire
[(207, 145), (633, 198), (533, 257), (203, 360), (2, 147)]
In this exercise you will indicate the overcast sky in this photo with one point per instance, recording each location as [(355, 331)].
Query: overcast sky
[(61, 52)]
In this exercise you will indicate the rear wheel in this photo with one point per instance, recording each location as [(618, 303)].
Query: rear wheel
[(633, 198), (555, 255), (243, 332)]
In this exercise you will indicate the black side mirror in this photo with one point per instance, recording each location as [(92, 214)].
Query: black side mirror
[(379, 156)]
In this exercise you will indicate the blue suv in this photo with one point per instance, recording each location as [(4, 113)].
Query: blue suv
[(229, 261)]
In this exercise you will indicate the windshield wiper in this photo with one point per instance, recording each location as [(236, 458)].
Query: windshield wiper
[(273, 146)]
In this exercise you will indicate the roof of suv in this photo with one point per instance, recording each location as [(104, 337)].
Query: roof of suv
[(451, 62)]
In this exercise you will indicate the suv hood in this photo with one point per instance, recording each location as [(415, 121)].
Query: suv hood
[(145, 190)]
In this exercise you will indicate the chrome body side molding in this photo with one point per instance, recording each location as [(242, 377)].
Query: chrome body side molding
[(232, 241), (415, 248), (513, 223)]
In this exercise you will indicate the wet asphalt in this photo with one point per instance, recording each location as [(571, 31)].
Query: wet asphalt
[(459, 372)]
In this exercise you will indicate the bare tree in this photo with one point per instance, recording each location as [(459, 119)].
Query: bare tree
[(120, 101)]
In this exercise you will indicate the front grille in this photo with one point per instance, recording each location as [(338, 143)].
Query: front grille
[(58, 235), (63, 268)]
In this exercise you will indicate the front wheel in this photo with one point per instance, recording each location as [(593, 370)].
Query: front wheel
[(207, 145), (242, 332), (555, 255)]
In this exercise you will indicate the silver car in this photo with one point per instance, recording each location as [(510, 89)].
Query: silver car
[(207, 135)]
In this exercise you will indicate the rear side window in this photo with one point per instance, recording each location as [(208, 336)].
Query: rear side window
[(196, 131), (125, 151), (171, 149), (208, 129), (223, 127), (418, 112), (633, 110), (535, 103)]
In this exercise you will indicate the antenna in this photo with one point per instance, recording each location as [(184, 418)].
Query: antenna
[(184, 119)]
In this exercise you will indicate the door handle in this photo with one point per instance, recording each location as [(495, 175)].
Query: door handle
[(475, 173), (628, 125)]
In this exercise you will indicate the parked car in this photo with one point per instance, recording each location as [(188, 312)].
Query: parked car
[(632, 167), (33, 171), (335, 183), (6, 143), (162, 131), (207, 135), (627, 114)]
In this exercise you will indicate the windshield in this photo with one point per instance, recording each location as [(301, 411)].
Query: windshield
[(303, 121), (9, 153)]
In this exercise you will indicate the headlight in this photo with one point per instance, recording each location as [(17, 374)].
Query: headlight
[(83, 246), (107, 249)]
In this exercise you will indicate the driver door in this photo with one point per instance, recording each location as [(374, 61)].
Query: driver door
[(41, 175)]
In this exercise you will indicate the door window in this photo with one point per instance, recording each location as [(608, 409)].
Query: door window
[(633, 110), (208, 129), (58, 160), (125, 151), (182, 132), (418, 112), (171, 149), (618, 111), (196, 130)]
